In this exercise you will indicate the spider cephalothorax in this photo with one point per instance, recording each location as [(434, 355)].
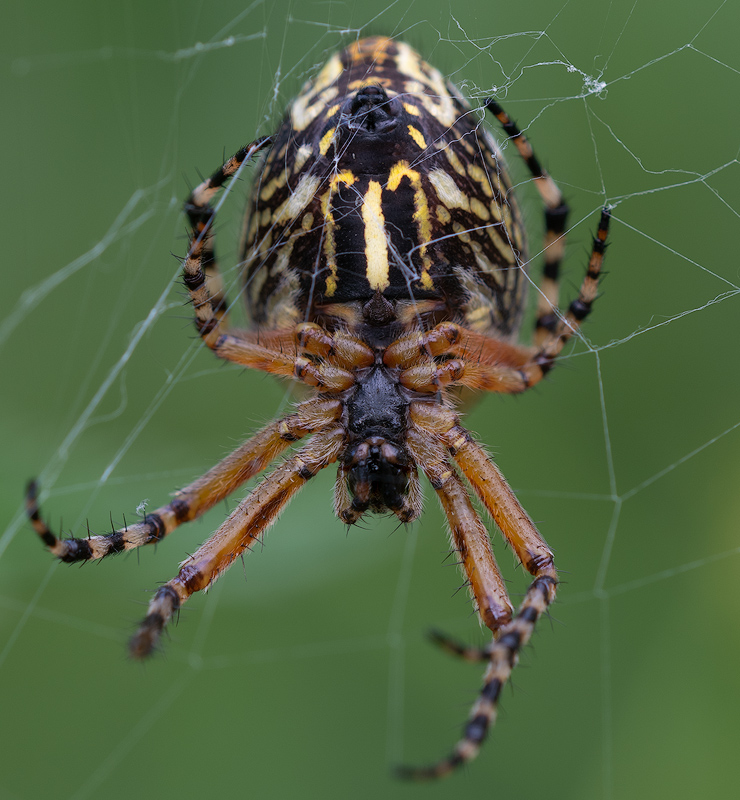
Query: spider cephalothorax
[(384, 267), (376, 463)]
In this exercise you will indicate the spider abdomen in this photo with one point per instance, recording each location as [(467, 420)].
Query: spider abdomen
[(381, 179)]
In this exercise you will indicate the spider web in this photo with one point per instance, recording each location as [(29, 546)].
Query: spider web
[(309, 667)]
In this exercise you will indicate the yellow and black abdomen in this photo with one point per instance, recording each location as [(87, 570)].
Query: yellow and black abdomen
[(381, 179)]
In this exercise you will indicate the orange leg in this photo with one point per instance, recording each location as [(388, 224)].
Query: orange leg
[(435, 423), (489, 484), (468, 532), (244, 526), (481, 362), (192, 501)]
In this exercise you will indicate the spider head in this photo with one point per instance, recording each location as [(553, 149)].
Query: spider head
[(377, 472)]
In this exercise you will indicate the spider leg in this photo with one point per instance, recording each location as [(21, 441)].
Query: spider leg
[(469, 534), (553, 343), (556, 215), (244, 526), (502, 655), (200, 270), (196, 498), (323, 375), (460, 649), (490, 486), (305, 353), (487, 364)]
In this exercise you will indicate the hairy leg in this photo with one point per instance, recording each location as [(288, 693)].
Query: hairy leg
[(196, 498), (244, 526)]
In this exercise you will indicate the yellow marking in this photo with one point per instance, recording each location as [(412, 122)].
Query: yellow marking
[(479, 209), (508, 220), (256, 279), (421, 215), (480, 303), (302, 114), (455, 162), (282, 260), (253, 225), (414, 87), (425, 78), (443, 215), (265, 244), (478, 174), (412, 109), (304, 151), (316, 95), (345, 178), (462, 233), (353, 86), (326, 141), (487, 266), (417, 136), (448, 191), (265, 217), (374, 47), (409, 63), (269, 189), (298, 200), (307, 222), (281, 308), (495, 210), (376, 242), (501, 244), (457, 444), (333, 110)]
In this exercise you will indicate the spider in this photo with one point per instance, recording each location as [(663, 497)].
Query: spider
[(384, 267)]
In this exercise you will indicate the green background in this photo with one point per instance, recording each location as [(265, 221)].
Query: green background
[(306, 674)]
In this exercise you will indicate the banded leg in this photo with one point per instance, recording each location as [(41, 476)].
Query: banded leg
[(460, 649), (200, 271), (490, 486), (556, 215), (195, 499), (469, 534), (244, 526), (488, 364), (553, 343), (432, 377), (531, 549), (284, 353), (503, 657), (281, 353)]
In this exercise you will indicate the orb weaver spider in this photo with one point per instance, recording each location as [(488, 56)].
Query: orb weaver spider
[(384, 267)]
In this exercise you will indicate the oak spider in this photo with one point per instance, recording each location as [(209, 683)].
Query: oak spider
[(384, 267)]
